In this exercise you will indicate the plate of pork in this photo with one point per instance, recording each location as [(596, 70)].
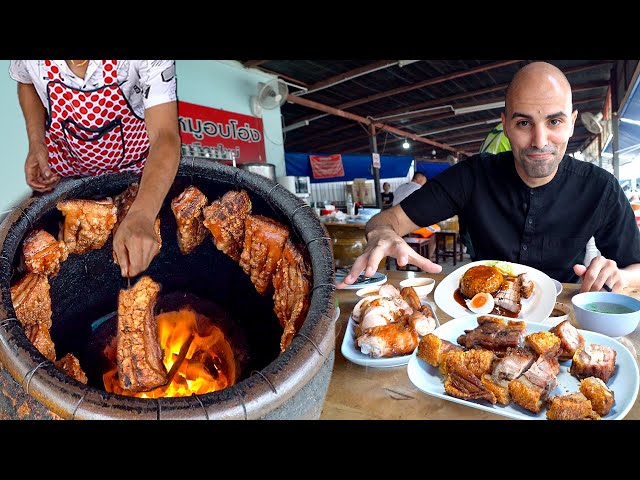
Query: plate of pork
[(384, 329), (526, 370), (504, 288)]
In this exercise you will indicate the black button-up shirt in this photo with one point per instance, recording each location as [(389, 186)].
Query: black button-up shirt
[(546, 227)]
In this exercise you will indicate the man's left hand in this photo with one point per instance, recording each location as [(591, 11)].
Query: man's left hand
[(600, 271), (135, 244)]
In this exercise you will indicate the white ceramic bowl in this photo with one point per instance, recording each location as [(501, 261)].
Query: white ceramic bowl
[(558, 315), (366, 291), (604, 321), (422, 285)]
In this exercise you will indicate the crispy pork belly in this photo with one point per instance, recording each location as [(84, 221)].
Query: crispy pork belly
[(70, 365), (570, 339), (571, 406), (508, 295), (139, 355), (433, 349), (291, 287), (123, 202), (593, 360), (392, 340), (600, 396), (42, 253), (512, 365), (87, 223), (463, 373), (32, 303), (264, 240), (187, 209), (225, 219), (526, 285), (544, 343), (531, 389), (494, 334)]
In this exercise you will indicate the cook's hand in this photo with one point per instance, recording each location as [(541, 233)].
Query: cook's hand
[(386, 243), (601, 270), (135, 244), (36, 169)]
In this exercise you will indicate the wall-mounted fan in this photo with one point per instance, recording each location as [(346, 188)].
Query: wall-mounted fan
[(592, 122), (271, 94)]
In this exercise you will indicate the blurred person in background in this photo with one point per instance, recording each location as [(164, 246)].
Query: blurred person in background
[(533, 205), (95, 117), (406, 189), (386, 195)]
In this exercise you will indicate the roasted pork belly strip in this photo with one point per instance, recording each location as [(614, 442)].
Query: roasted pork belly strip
[(70, 365), (570, 339), (600, 396), (433, 349), (32, 303), (463, 373), (526, 285), (42, 253), (494, 334), (291, 287), (508, 295), (87, 223), (594, 360), (515, 361), (225, 219), (264, 240), (187, 209), (139, 355), (571, 406)]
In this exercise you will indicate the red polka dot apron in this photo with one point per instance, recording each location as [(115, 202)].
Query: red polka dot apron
[(93, 132)]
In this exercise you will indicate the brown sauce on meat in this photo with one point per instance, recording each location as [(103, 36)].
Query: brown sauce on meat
[(460, 299)]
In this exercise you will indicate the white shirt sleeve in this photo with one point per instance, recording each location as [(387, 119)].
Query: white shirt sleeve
[(158, 81), (19, 72)]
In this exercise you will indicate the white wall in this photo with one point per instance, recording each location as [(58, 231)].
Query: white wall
[(220, 84)]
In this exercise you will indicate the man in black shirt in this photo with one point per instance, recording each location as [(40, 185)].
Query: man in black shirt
[(533, 205)]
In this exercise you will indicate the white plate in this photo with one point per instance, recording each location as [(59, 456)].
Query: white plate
[(534, 309), (624, 381), (377, 279), (558, 286), (336, 314), (354, 355)]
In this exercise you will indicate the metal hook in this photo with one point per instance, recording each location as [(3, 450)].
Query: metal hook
[(246, 415), (319, 238), (298, 208), (312, 343), (7, 320), (333, 287), (266, 380), (73, 415), (197, 397), (32, 372), (159, 408)]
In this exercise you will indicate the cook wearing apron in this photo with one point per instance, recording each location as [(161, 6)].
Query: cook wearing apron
[(91, 132)]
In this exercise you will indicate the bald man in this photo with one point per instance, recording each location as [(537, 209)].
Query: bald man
[(532, 205)]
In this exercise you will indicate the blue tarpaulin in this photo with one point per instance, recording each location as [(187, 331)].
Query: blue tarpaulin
[(431, 169), (355, 166)]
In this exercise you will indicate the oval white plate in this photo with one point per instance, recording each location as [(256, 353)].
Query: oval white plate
[(624, 381), (534, 309), (354, 355)]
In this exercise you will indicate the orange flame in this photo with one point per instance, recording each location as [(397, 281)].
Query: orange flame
[(208, 365)]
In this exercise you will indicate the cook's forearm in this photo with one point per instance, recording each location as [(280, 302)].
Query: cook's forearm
[(393, 219), (158, 174), (33, 111)]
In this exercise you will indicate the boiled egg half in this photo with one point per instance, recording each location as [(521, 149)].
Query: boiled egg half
[(481, 303)]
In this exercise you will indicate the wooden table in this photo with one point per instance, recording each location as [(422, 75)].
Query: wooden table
[(365, 393)]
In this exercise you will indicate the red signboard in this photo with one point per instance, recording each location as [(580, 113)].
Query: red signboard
[(220, 134), (326, 167)]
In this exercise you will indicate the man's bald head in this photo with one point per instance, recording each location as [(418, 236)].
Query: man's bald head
[(540, 79)]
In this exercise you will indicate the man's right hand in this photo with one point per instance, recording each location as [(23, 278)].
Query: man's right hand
[(383, 243), (36, 169)]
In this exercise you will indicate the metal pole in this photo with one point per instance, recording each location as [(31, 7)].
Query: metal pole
[(374, 170), (614, 122)]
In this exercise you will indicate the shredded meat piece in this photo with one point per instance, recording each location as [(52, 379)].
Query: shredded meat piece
[(71, 366), (187, 209), (87, 223), (139, 355), (264, 240), (42, 253), (225, 219), (32, 303), (291, 285)]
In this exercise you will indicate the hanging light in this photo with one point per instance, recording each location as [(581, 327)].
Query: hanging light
[(406, 144)]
